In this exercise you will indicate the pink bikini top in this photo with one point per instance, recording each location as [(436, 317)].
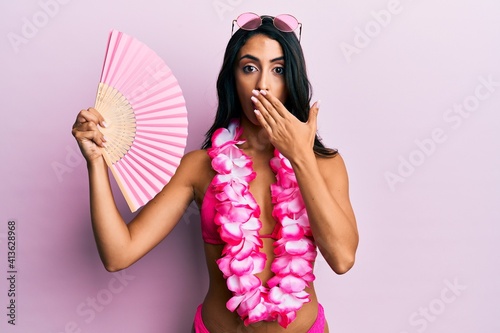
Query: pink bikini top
[(210, 230)]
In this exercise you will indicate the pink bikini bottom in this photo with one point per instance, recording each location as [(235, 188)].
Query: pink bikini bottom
[(317, 327)]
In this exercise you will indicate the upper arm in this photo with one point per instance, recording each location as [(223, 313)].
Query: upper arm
[(334, 173), (160, 215)]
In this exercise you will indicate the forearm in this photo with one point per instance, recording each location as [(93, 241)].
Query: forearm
[(334, 230), (110, 231)]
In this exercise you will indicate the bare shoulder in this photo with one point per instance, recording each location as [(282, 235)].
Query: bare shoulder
[(332, 166), (198, 156), (195, 167), (194, 164)]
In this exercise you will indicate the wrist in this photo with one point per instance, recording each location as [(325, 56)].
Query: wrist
[(303, 161), (96, 163)]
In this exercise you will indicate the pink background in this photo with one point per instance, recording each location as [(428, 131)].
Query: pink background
[(392, 76)]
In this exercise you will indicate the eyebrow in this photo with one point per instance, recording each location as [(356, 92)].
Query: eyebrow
[(248, 56)]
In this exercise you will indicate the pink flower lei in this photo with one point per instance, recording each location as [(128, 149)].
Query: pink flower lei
[(237, 215)]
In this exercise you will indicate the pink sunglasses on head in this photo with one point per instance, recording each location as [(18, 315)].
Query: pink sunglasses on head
[(282, 22)]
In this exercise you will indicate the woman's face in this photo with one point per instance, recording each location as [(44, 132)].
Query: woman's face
[(259, 65)]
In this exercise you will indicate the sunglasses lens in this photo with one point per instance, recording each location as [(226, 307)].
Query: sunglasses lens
[(248, 21), (286, 23)]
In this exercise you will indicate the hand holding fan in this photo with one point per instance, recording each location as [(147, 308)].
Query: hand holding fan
[(146, 116)]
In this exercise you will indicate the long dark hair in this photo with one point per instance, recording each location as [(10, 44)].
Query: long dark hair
[(297, 84)]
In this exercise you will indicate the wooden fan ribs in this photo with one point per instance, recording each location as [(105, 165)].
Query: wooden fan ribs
[(121, 121)]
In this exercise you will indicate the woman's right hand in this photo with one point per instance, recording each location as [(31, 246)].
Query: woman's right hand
[(87, 134)]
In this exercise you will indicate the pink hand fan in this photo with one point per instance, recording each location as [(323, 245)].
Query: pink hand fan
[(143, 106)]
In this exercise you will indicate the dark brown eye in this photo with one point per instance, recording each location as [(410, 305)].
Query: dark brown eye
[(249, 69), (279, 70)]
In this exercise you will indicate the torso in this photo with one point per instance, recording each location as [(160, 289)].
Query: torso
[(215, 315)]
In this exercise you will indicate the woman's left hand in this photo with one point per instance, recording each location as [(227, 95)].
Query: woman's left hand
[(289, 135)]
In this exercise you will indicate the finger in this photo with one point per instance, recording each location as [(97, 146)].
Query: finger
[(263, 111), (313, 114), (90, 115), (273, 104), (85, 116), (86, 129), (87, 126), (263, 121), (101, 122), (267, 107), (90, 135)]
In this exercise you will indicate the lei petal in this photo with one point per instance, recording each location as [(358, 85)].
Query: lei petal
[(231, 233), (297, 247), (234, 302), (293, 231), (241, 267)]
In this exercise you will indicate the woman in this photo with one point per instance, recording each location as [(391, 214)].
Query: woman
[(268, 190)]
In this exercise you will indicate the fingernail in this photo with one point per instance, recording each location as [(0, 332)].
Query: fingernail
[(318, 103), (254, 99), (104, 124), (263, 92), (104, 138), (105, 145), (255, 92), (257, 112)]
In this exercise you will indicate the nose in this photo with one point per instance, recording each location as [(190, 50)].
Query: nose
[(263, 82)]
